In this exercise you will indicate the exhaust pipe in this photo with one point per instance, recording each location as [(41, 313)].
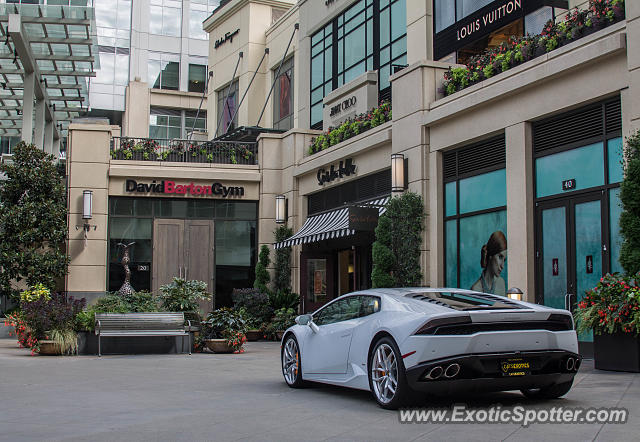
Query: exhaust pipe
[(435, 373), (452, 371), (576, 366), (570, 364)]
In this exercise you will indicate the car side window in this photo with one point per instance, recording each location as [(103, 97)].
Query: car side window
[(369, 305), (342, 310)]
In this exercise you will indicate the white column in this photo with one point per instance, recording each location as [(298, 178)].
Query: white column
[(27, 108), (55, 150), (48, 137), (520, 209), (38, 137)]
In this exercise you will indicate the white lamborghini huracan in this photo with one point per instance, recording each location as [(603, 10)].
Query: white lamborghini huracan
[(392, 341)]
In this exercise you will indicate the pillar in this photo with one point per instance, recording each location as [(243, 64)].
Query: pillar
[(27, 107), (48, 137), (520, 209)]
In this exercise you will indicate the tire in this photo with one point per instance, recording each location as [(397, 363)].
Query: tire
[(385, 364), (551, 392), (291, 361)]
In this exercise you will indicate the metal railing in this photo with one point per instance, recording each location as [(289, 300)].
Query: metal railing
[(184, 151)]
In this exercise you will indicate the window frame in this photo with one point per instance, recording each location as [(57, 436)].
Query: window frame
[(220, 101), (285, 122)]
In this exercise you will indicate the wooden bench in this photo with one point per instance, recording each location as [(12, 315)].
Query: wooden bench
[(142, 324)]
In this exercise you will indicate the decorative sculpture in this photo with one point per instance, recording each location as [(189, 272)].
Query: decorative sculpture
[(126, 288)]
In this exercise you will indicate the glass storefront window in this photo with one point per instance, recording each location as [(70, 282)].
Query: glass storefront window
[(535, 21), (165, 123), (164, 71), (445, 12), (235, 242), (584, 165), (615, 240), (615, 158), (483, 191), (197, 77), (317, 280), (125, 231), (450, 199)]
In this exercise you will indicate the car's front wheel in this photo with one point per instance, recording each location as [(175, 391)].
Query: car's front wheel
[(291, 362), (387, 379), (551, 392)]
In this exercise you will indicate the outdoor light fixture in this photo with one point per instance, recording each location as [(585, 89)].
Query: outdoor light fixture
[(281, 209), (515, 293), (399, 178), (87, 203)]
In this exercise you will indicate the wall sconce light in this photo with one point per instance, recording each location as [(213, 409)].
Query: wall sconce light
[(515, 293), (281, 209), (399, 177), (87, 207)]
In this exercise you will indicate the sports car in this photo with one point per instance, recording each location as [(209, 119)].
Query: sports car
[(437, 341)]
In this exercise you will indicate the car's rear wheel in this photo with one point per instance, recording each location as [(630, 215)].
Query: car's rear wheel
[(551, 392), (387, 379), (291, 362)]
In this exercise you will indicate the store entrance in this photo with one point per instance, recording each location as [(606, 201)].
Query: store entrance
[(572, 250), (185, 249)]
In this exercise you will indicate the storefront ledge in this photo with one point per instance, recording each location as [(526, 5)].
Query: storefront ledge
[(360, 143), (205, 166), (222, 173), (587, 50)]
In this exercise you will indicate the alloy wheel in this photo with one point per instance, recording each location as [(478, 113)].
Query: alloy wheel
[(384, 373), (290, 361)]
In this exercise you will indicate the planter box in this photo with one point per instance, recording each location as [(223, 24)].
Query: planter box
[(49, 348), (617, 352), (254, 335), (218, 345), (88, 344)]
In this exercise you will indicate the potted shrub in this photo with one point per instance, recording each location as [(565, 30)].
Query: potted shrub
[(46, 321), (282, 319), (184, 296), (224, 331), (612, 311)]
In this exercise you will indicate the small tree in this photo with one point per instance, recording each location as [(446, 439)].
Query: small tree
[(33, 220), (262, 274), (630, 217), (282, 277), (396, 251)]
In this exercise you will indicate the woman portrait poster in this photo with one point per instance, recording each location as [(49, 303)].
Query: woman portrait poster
[(493, 257)]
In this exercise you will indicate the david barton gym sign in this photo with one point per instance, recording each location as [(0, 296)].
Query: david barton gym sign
[(171, 187)]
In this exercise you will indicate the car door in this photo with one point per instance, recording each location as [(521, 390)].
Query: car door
[(327, 351)]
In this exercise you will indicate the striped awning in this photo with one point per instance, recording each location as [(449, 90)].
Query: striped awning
[(328, 225)]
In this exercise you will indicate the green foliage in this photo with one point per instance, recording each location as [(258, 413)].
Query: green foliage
[(284, 299), (137, 302), (255, 303), (396, 251), (630, 217), (183, 296), (66, 340), (282, 320), (222, 322), (262, 274), (282, 276), (33, 216)]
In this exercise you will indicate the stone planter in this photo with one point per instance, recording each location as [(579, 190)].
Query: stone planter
[(88, 344), (617, 352), (218, 345), (49, 348), (254, 335)]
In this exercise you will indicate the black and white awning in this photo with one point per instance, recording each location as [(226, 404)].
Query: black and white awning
[(328, 225)]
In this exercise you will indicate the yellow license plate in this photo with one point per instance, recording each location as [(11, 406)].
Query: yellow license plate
[(515, 367)]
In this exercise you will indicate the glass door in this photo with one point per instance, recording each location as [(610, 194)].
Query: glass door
[(571, 252)]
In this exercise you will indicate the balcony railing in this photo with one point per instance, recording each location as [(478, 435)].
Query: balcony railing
[(184, 151)]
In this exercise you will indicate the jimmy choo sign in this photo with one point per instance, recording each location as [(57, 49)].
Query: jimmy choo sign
[(355, 97)]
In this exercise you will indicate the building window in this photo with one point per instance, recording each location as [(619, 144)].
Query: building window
[(164, 71), (370, 35), (165, 123), (227, 109), (199, 10), (197, 77), (110, 57), (175, 123), (283, 99), (475, 220), (165, 17)]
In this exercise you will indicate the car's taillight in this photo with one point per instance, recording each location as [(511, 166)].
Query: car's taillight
[(565, 320), (430, 327)]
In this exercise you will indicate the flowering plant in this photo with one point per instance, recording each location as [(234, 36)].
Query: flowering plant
[(34, 293), (26, 338), (352, 127), (613, 305), (235, 340), (576, 24)]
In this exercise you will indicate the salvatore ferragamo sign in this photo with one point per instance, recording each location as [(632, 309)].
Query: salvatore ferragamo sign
[(171, 187)]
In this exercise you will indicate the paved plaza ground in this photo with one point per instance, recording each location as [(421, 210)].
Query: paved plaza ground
[(243, 397)]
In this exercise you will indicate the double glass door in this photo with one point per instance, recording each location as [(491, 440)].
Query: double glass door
[(572, 250)]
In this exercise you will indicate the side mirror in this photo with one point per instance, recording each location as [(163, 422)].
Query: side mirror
[(303, 319)]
